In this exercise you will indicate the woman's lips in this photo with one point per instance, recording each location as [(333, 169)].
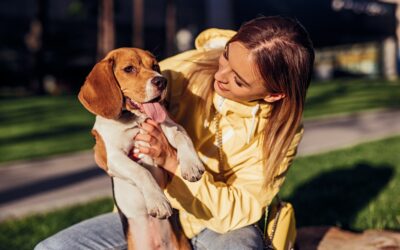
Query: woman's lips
[(220, 86)]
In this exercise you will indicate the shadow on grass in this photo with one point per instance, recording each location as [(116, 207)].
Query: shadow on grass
[(45, 185), (43, 135), (326, 96), (33, 114), (335, 198)]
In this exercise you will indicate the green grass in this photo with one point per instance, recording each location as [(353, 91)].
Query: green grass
[(32, 127), (26, 233), (356, 188), (340, 97)]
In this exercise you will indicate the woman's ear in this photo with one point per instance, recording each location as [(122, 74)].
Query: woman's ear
[(274, 97), (101, 94)]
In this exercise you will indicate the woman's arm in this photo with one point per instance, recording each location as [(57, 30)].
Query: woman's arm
[(226, 205)]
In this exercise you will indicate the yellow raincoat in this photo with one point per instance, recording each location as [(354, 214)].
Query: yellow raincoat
[(235, 197)]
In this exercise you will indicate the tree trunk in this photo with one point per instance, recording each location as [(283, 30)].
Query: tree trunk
[(138, 10), (106, 33), (34, 41), (170, 27)]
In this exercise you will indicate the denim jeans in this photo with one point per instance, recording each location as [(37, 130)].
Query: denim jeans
[(105, 232)]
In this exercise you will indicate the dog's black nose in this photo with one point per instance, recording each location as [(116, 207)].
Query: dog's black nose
[(160, 82)]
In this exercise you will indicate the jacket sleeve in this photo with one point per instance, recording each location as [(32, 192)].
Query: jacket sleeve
[(238, 202), (175, 69)]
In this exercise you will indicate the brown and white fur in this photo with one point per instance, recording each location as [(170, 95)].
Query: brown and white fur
[(114, 91)]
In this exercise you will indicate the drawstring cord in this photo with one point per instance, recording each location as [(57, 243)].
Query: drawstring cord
[(254, 111), (253, 121), (220, 103)]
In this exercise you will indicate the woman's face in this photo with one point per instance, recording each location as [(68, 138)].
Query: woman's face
[(237, 77)]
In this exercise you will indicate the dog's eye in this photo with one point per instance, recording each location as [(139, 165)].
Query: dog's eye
[(156, 67), (130, 69)]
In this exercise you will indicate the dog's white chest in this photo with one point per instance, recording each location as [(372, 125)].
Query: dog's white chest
[(117, 133)]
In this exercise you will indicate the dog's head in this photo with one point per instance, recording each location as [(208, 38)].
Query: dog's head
[(126, 78)]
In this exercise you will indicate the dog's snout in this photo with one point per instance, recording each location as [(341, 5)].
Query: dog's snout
[(160, 82)]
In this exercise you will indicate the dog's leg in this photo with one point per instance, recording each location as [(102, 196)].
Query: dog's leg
[(141, 230), (133, 212), (163, 235), (150, 233), (191, 166), (119, 165), (178, 237)]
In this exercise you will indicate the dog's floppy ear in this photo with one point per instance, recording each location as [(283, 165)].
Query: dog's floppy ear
[(101, 94)]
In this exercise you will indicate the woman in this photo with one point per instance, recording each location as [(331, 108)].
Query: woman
[(242, 106)]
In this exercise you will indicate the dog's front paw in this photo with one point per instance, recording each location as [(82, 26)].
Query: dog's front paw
[(158, 206), (191, 168)]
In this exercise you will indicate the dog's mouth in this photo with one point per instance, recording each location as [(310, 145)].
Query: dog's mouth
[(157, 99), (152, 108)]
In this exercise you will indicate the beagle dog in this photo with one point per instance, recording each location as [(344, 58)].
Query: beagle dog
[(123, 90)]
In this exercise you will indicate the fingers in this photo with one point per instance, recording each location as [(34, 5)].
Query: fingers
[(158, 144), (146, 138), (152, 152), (151, 127), (154, 148), (153, 123)]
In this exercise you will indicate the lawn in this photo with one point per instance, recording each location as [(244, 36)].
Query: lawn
[(26, 233), (356, 188), (32, 127), (339, 97)]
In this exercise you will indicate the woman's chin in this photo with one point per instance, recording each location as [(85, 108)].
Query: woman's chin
[(219, 91)]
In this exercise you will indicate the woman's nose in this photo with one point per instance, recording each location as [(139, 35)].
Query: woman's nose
[(222, 74)]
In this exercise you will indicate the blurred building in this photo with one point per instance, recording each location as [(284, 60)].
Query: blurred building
[(353, 38)]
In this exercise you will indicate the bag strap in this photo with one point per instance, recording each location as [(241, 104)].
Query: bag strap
[(279, 202), (218, 137)]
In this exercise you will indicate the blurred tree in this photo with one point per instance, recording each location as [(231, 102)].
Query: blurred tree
[(106, 30), (394, 72), (138, 9), (34, 41), (76, 9), (170, 27)]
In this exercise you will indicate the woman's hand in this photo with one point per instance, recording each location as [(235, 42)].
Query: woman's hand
[(160, 150)]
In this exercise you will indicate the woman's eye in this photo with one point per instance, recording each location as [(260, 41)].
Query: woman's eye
[(130, 69), (156, 67), (225, 53), (238, 83)]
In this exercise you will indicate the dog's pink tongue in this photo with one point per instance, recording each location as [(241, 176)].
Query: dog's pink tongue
[(155, 111)]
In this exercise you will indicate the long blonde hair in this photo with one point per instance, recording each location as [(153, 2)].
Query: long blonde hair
[(284, 55)]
